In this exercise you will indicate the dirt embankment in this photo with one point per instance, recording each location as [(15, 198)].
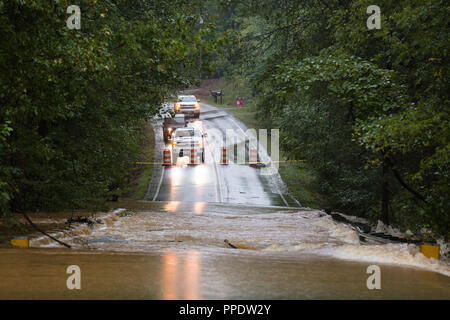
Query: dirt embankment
[(49, 222), (59, 225), (203, 92)]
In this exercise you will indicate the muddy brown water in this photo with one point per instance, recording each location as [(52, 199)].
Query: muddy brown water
[(196, 274), (176, 250)]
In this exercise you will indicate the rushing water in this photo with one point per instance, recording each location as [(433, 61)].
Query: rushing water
[(175, 250)]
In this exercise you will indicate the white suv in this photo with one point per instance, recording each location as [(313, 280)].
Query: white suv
[(185, 139)]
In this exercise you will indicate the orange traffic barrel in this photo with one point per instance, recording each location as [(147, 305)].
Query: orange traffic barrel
[(253, 157), (224, 155), (167, 157), (193, 156)]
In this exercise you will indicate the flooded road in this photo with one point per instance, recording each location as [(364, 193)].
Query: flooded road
[(174, 247), (204, 274), (176, 250)]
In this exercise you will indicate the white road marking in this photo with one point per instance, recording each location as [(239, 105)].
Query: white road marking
[(216, 177), (159, 184)]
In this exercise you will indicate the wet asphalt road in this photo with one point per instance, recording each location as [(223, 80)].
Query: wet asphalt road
[(214, 182)]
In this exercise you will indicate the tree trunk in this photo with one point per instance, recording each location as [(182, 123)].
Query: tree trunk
[(384, 197)]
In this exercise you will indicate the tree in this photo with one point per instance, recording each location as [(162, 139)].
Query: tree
[(74, 101), (370, 106)]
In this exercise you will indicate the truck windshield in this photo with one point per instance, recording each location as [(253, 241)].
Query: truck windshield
[(188, 133), (187, 99)]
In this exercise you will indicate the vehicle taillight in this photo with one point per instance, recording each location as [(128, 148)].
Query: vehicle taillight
[(197, 106), (174, 144), (177, 106)]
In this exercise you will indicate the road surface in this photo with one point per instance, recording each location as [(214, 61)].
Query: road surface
[(213, 182)]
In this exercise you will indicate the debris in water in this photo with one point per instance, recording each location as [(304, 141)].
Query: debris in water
[(80, 219), (126, 213), (229, 244)]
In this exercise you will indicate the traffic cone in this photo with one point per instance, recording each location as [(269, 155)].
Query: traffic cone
[(167, 157), (224, 156), (193, 157)]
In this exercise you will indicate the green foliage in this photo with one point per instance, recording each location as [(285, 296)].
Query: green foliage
[(365, 108), (4, 171), (73, 101)]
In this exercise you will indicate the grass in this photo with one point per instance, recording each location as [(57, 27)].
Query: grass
[(246, 113), (140, 176), (297, 176), (300, 182)]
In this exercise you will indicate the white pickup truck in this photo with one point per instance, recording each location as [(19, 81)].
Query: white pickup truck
[(185, 139), (189, 106)]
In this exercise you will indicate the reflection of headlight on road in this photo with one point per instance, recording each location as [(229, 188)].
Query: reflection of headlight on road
[(182, 161), (201, 175), (197, 123), (171, 206), (176, 176), (199, 207)]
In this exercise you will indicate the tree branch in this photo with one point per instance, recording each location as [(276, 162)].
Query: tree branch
[(43, 232), (403, 183)]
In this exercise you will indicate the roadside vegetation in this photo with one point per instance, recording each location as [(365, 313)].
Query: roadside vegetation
[(367, 109), (140, 174), (74, 103), (296, 173)]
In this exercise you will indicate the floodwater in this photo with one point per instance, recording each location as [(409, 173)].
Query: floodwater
[(176, 250)]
